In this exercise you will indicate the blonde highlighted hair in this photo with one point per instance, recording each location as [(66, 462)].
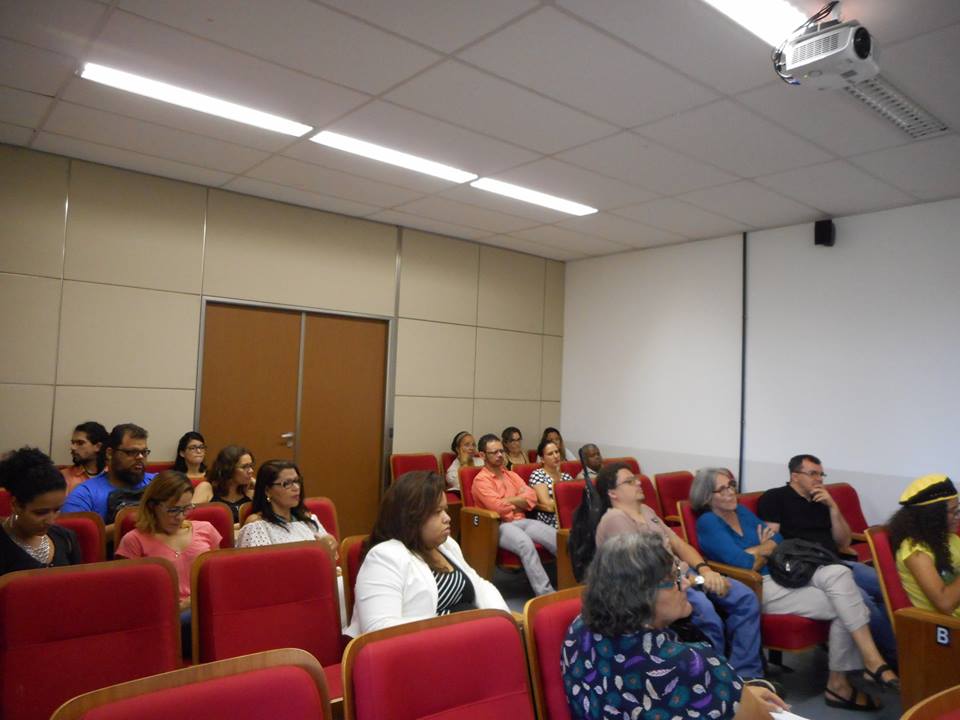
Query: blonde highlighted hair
[(167, 485)]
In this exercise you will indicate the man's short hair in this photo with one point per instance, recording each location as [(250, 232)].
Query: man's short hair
[(796, 462), (121, 431), (488, 438)]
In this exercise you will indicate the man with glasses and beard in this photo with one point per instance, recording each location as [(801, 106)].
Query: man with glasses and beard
[(122, 481)]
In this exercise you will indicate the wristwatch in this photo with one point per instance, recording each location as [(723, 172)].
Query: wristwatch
[(698, 583), (700, 564)]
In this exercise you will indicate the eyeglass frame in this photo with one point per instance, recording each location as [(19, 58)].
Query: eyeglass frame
[(677, 582), (732, 485), (134, 452), (176, 510), (812, 473), (287, 484)]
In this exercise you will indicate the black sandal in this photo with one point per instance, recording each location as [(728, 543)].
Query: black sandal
[(875, 678), (851, 703)]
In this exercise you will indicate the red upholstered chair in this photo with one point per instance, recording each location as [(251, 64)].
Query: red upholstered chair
[(90, 533), (849, 503), (5, 509), (252, 599), (326, 513), (571, 467), (156, 467), (124, 522), (101, 624), (525, 471), (466, 665), (220, 516), (446, 460), (290, 682), (568, 496), (790, 633), (350, 550), (945, 705), (631, 462), (401, 463), (245, 511), (933, 665), (545, 622), (672, 487), (532, 455)]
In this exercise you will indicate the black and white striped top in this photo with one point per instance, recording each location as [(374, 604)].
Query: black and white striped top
[(454, 591)]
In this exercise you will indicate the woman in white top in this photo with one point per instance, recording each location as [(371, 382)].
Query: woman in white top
[(278, 513), (465, 449), (412, 569), (543, 479)]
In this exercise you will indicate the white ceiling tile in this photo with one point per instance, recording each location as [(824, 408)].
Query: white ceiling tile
[(117, 157), (891, 22), (831, 118), (734, 139), (510, 242), (500, 203), (574, 183), (929, 169), (32, 68), (297, 34), (564, 239), (354, 164), (14, 134), (295, 196), (387, 124), (926, 70), (458, 213), (65, 26), (636, 160), (837, 188), (681, 218), (143, 137), (459, 94), (418, 222), (316, 179), (147, 48), (101, 97), (621, 230), (536, 52), (22, 108), (444, 24), (687, 35), (752, 204)]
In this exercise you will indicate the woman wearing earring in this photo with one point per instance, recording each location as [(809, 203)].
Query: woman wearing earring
[(28, 538), (230, 480), (191, 452), (465, 449), (513, 447), (542, 480)]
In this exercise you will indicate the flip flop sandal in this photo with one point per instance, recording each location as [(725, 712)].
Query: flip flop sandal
[(850, 703), (874, 680)]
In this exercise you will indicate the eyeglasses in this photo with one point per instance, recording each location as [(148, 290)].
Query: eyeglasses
[(731, 487), (812, 473), (196, 447), (179, 510), (134, 452), (676, 582), (493, 452), (633, 480), (287, 484)]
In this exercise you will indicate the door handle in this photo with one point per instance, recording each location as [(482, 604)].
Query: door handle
[(288, 437)]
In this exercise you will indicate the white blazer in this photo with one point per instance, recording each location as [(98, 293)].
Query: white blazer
[(395, 586)]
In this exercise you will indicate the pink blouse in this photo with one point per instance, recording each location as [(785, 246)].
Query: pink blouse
[(140, 544)]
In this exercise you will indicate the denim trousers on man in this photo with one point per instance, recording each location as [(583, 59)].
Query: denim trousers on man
[(737, 636)]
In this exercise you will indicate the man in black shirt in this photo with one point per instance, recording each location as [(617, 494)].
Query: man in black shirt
[(804, 509)]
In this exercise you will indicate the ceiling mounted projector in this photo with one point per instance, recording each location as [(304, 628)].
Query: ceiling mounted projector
[(833, 57)]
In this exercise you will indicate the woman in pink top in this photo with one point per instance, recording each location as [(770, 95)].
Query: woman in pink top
[(163, 531)]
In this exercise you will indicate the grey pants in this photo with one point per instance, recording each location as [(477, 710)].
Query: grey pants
[(831, 595), (519, 537)]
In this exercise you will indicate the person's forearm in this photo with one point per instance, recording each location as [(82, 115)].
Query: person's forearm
[(839, 528)]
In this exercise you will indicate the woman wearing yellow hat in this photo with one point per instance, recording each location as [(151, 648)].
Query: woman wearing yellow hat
[(923, 534)]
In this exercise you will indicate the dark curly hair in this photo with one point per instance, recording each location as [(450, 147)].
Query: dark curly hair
[(927, 524), (29, 472)]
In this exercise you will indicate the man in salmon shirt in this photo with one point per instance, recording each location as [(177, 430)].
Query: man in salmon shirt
[(498, 489)]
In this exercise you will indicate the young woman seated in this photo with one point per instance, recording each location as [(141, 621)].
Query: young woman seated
[(230, 480), (544, 478), (412, 569), (29, 539), (191, 452), (513, 447), (464, 446)]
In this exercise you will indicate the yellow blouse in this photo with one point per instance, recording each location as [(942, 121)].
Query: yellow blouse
[(907, 548)]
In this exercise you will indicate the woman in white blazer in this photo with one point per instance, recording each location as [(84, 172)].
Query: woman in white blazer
[(412, 568)]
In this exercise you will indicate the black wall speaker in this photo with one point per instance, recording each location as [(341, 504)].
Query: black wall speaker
[(823, 233)]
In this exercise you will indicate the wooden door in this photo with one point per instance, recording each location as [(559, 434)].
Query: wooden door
[(340, 447), (248, 394)]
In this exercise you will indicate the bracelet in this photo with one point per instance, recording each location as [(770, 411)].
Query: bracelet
[(700, 565)]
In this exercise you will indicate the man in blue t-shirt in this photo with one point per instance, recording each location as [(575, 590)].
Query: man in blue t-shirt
[(123, 479)]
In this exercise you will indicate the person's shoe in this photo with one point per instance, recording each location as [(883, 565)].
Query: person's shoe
[(836, 700), (771, 685)]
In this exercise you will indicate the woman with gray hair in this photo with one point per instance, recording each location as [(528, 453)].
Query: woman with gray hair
[(731, 534), (621, 659)]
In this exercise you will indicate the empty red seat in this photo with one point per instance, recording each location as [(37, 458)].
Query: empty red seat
[(571, 467), (90, 532), (350, 550), (672, 487), (545, 623), (526, 470), (401, 463), (326, 513)]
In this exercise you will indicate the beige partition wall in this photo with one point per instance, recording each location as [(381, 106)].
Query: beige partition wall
[(103, 273)]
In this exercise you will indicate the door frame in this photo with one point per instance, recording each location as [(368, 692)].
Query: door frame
[(389, 380)]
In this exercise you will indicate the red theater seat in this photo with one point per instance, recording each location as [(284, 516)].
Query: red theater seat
[(401, 463), (90, 533), (252, 599), (326, 513), (350, 550), (465, 666), (571, 467), (289, 682), (629, 461), (849, 503), (215, 513), (545, 622), (5, 509), (945, 705), (672, 487), (526, 470), (68, 630)]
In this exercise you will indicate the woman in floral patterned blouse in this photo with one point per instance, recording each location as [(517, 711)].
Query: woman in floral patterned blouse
[(620, 658)]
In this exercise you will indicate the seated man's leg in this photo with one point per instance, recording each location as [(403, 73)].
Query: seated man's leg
[(541, 533), (514, 539), (705, 617), (742, 628), (869, 583)]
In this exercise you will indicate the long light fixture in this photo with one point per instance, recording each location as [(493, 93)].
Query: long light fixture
[(392, 157), (769, 20), (191, 100), (533, 196)]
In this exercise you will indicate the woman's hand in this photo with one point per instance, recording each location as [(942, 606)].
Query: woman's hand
[(714, 582), (331, 544), (765, 533)]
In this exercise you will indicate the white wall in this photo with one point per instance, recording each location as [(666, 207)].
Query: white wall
[(651, 354)]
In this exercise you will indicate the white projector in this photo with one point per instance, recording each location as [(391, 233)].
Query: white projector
[(833, 57)]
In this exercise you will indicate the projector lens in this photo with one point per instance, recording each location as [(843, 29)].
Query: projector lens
[(861, 43)]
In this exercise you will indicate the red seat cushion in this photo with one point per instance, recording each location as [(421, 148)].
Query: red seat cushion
[(88, 535), (549, 629), (672, 488), (505, 558), (894, 594), (568, 496), (218, 515), (326, 513), (792, 632), (409, 462)]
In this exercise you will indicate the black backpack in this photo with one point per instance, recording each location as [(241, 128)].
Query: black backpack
[(794, 561)]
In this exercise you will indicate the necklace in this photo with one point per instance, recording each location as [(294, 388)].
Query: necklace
[(40, 553)]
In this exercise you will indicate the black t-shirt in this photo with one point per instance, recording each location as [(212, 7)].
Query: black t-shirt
[(66, 551), (798, 517)]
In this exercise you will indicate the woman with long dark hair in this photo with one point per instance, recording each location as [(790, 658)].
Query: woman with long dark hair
[(191, 452), (230, 480)]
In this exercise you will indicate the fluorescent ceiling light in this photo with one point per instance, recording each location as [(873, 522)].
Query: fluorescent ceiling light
[(191, 100), (532, 196), (392, 157), (770, 20)]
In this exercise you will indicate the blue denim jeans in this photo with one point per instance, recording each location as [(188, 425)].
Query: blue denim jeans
[(738, 636), (869, 583)]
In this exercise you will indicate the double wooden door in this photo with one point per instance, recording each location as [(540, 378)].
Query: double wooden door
[(300, 386)]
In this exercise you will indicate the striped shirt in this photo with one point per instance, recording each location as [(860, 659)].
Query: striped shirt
[(453, 589)]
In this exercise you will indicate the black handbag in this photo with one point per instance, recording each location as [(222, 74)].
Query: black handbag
[(794, 561)]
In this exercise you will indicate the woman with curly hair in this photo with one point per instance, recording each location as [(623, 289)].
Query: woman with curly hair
[(923, 534), (230, 480)]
